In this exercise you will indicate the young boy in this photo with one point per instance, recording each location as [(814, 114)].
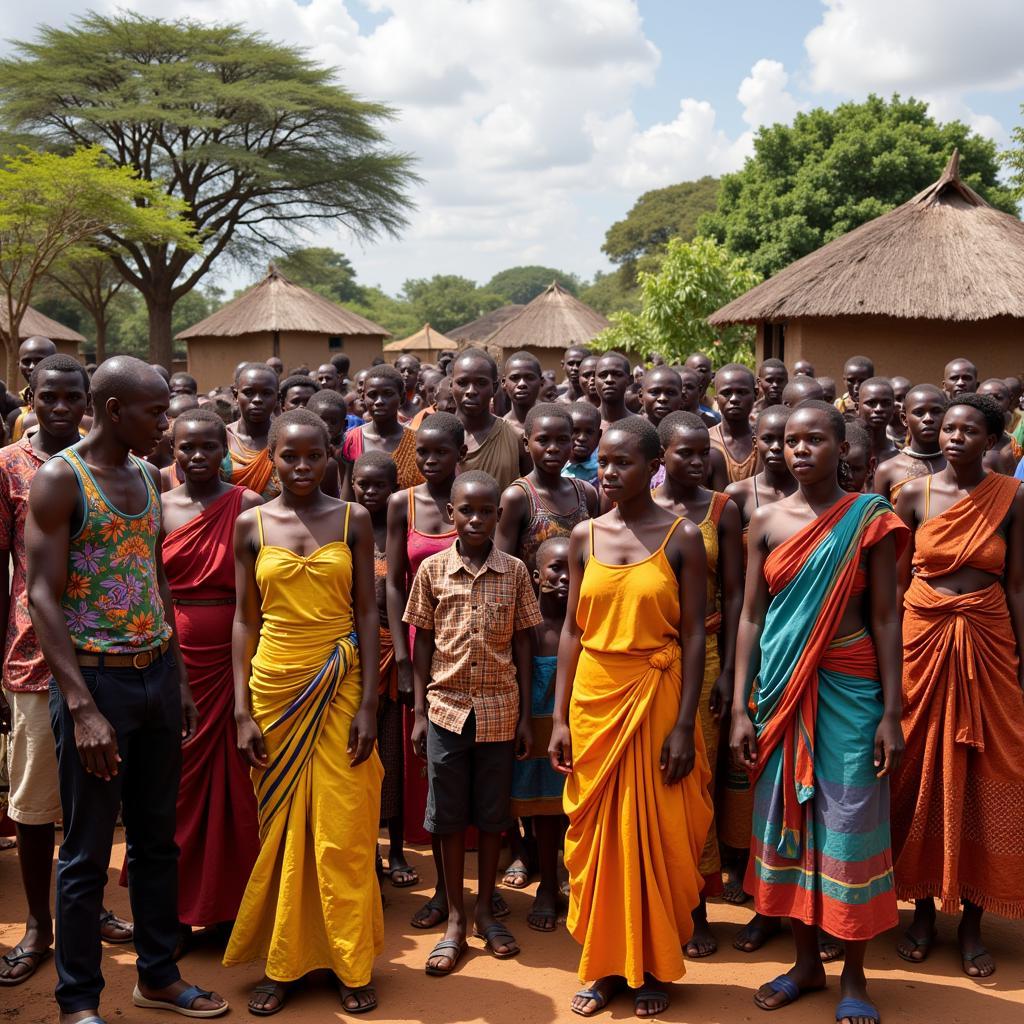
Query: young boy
[(536, 786), (586, 433), (860, 459), (332, 408), (374, 480), (473, 607), (875, 406), (297, 390), (522, 382), (733, 438), (923, 410)]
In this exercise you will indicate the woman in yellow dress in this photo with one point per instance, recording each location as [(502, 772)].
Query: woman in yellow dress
[(306, 666)]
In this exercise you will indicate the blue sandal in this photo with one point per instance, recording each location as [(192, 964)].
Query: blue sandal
[(601, 998), (182, 1004), (857, 1008), (785, 986)]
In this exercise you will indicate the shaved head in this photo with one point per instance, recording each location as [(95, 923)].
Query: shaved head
[(125, 378)]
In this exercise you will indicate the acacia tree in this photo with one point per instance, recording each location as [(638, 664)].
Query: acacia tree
[(257, 139), (55, 208), (92, 281)]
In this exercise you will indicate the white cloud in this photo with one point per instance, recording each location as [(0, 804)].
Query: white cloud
[(764, 95)]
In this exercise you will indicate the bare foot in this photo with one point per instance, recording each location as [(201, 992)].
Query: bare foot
[(543, 915), (703, 942), (758, 930)]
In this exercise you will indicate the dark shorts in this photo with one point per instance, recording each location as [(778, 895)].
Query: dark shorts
[(469, 783)]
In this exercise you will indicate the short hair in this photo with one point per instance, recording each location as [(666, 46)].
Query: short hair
[(860, 361), (547, 410), (643, 430), (679, 420), (857, 435), (737, 368), (59, 363), (298, 380), (180, 401), (478, 353), (341, 363), (244, 368), (376, 460), (445, 423), (932, 389), (585, 409), (409, 355), (877, 382), (773, 410), (995, 423), (296, 417), (523, 356), (836, 422), (582, 349), (117, 376), (388, 373), (476, 476), (616, 355), (541, 553), (162, 370), (772, 364), (664, 370), (185, 378), (961, 359), (800, 383), (201, 415), (327, 398)]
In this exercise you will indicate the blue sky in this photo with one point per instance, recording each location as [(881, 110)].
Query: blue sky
[(537, 123)]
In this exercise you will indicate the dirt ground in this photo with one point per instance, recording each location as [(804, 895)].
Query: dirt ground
[(536, 987)]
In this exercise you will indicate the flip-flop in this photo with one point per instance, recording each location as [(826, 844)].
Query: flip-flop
[(346, 992), (543, 915), (499, 908), (830, 949), (181, 1004), (766, 933), (269, 988), (969, 959), (412, 877), (108, 917), (20, 955), (453, 949), (498, 935), (786, 986), (598, 997), (857, 1008), (433, 904), (521, 876), (697, 954), (923, 944), (645, 994)]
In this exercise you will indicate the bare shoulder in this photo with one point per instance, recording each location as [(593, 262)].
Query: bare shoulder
[(250, 499), (740, 489)]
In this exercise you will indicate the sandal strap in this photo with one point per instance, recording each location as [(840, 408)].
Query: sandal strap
[(856, 1008), (786, 986), (441, 949), (190, 995), (20, 955)]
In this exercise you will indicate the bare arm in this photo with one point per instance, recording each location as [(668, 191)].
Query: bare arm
[(5, 610), (907, 505), (522, 656), (363, 733), (730, 584), (718, 473), (886, 633), (1014, 581), (395, 588), (53, 502), (514, 512), (345, 468), (423, 654), (592, 499), (245, 631)]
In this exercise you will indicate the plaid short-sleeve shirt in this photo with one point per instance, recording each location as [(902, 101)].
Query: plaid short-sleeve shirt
[(473, 618)]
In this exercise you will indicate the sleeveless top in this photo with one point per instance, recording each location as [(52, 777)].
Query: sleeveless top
[(737, 470), (380, 582), (111, 600), (545, 523), (305, 601), (420, 545), (629, 609), (708, 527)]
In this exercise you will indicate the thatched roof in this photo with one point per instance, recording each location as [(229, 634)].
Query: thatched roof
[(943, 255), (554, 319), (34, 322), (426, 339), (276, 304), (483, 327)]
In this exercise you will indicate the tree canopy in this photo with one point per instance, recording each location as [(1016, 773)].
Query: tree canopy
[(692, 281), (255, 137), (832, 170), (324, 271), (522, 284), (446, 301), (1014, 159)]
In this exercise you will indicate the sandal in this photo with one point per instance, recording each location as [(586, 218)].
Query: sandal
[(451, 949), (108, 919), (645, 994), (756, 934), (408, 876), (848, 1008), (601, 998), (924, 945), (550, 917), (354, 993), (516, 877), (268, 988), (786, 986), (499, 908), (18, 956), (424, 919), (734, 893), (830, 949), (969, 958), (181, 1004), (495, 935)]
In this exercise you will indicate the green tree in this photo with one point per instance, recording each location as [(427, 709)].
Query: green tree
[(1014, 159), (657, 216), (608, 294), (92, 283), (693, 280), (832, 170), (322, 270), (56, 208), (521, 284), (395, 314), (128, 319), (446, 301), (255, 137)]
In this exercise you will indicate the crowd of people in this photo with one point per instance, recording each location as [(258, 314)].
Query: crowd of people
[(665, 634)]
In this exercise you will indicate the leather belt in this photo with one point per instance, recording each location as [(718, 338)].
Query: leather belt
[(139, 660), (208, 602)]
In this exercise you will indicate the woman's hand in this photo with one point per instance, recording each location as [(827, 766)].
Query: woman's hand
[(560, 749), (250, 742), (524, 739), (362, 735), (743, 741), (678, 754), (720, 703), (889, 746)]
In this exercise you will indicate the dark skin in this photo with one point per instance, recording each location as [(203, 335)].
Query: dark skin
[(135, 421), (770, 383), (571, 367), (855, 372), (965, 440), (255, 391), (588, 381), (735, 392), (861, 463), (812, 454), (662, 394), (959, 377), (801, 389), (631, 532), (383, 432), (327, 377), (1000, 458), (31, 353), (898, 426), (334, 420), (277, 366), (296, 397), (683, 493), (302, 519), (409, 367), (586, 433), (700, 363), (923, 411), (427, 387), (803, 366), (522, 383), (475, 511), (875, 407), (613, 378)]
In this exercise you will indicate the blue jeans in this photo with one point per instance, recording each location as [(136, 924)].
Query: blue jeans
[(143, 707)]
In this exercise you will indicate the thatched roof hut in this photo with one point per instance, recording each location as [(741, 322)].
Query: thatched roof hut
[(278, 318), (547, 326), (483, 327), (940, 276), (36, 323), (425, 344)]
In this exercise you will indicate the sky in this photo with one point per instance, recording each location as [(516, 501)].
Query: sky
[(538, 123)]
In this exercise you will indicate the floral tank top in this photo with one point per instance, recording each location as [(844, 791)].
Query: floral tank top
[(111, 601)]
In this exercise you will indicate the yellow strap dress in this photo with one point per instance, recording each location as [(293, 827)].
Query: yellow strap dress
[(312, 900), (633, 844)]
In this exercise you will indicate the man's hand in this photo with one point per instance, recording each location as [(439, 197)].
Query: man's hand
[(418, 738), (524, 739), (96, 742), (189, 714)]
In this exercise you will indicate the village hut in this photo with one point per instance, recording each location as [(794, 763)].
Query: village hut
[(426, 344), (546, 327), (277, 318), (938, 277), (479, 330), (34, 323)]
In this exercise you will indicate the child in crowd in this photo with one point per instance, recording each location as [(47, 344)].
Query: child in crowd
[(586, 433), (331, 407), (857, 469), (522, 381), (444, 400), (297, 390), (473, 607)]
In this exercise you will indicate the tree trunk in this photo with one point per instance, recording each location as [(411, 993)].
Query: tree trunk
[(161, 345), (101, 338)]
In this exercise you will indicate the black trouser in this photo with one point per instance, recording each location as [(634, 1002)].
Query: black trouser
[(143, 706)]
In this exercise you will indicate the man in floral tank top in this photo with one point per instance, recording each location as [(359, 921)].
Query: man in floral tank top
[(119, 699)]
